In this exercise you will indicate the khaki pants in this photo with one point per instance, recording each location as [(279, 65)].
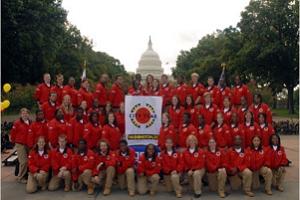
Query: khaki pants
[(33, 183), (106, 176), (195, 180), (235, 181), (278, 177), (127, 180), (255, 179), (216, 181), (55, 181), (22, 156), (172, 183), (143, 183), (184, 176), (84, 178)]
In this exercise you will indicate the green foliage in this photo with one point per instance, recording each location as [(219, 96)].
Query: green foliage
[(265, 92)]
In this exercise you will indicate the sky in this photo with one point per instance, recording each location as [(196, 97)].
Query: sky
[(122, 28)]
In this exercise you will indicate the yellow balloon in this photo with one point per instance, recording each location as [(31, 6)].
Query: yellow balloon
[(6, 104), (6, 87), (2, 106)]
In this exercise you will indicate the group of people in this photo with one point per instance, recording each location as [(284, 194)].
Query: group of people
[(211, 132)]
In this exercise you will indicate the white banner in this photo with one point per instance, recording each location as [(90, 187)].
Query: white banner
[(142, 119)]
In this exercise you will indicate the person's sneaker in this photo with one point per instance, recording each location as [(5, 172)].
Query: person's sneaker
[(197, 195), (67, 188), (269, 192), (279, 188), (106, 191), (44, 187), (184, 183), (131, 194), (90, 190), (249, 193), (222, 195), (23, 180), (179, 195), (152, 192)]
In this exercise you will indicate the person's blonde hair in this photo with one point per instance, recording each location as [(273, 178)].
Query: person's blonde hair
[(206, 94), (24, 110), (189, 138), (195, 74), (68, 110)]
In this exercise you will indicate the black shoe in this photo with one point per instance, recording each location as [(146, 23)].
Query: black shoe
[(197, 195)]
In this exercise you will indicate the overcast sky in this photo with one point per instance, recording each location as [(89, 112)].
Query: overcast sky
[(122, 28)]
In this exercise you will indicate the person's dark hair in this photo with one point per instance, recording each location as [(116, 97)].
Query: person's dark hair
[(95, 99), (79, 109), (82, 140), (187, 114), (258, 95), (38, 111), (227, 97), (270, 140), (155, 152), (181, 76), (246, 99), (117, 76), (104, 108), (122, 141), (210, 77), (263, 114), (106, 119), (56, 111), (133, 82), (192, 104), (92, 114), (138, 75), (201, 115), (177, 106), (252, 146)]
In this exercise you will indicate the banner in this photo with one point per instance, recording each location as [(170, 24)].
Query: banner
[(142, 119)]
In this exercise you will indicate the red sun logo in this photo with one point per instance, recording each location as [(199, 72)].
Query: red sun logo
[(142, 115)]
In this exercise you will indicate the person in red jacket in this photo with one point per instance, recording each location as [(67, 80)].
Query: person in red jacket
[(258, 166), (92, 131), (251, 128), (276, 160), (259, 107), (42, 91), (224, 92), (107, 108), (196, 89), (244, 108), (85, 115), (50, 106), (82, 167), (116, 95), (266, 129), (181, 89), (166, 90), (100, 91), (39, 161), (238, 163), (172, 166), (18, 135), (194, 159), (105, 166), (56, 127), (37, 128), (120, 116), (75, 129), (58, 88), (70, 90), (61, 163), (213, 90), (239, 91), (95, 108), (125, 158), (209, 110), (111, 131), (175, 111), (227, 110), (155, 88), (148, 168), (135, 89), (236, 129), (215, 162), (167, 130), (185, 129), (149, 80), (204, 133), (84, 94), (189, 106), (221, 133), (67, 108)]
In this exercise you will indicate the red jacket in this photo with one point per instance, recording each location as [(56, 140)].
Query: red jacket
[(193, 161), (37, 162), (225, 92), (148, 90), (94, 109), (228, 115), (37, 129), (167, 92), (49, 110), (251, 131), (59, 160), (75, 130), (121, 121), (41, 93), (72, 92), (237, 129), (215, 160), (261, 108), (238, 92), (176, 115), (116, 95), (113, 135), (67, 116), (171, 162), (204, 134), (194, 114), (266, 132), (149, 167), (82, 162), (215, 94), (210, 113), (222, 135), (237, 160), (55, 129), (275, 158), (127, 160), (241, 115), (257, 158), (100, 92), (58, 89), (19, 132), (164, 133), (195, 91), (183, 132), (85, 95), (108, 159), (155, 92), (133, 92), (181, 91), (92, 134)]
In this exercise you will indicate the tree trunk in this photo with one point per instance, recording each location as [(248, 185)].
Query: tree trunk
[(290, 99)]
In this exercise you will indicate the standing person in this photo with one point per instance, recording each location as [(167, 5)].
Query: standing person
[(215, 162), (166, 90), (84, 94), (227, 110), (50, 106), (138, 78), (39, 161), (116, 95), (37, 128), (221, 133), (204, 133), (85, 115), (236, 129), (120, 116), (100, 91), (104, 168), (276, 160), (251, 128), (167, 130), (149, 80), (125, 158), (70, 90), (111, 131), (135, 89), (189, 106), (240, 90), (258, 165), (18, 135), (107, 108), (175, 111), (209, 110), (172, 166), (194, 159), (238, 163), (67, 108), (75, 128), (224, 92), (266, 129), (196, 89), (260, 107), (155, 88), (244, 108), (148, 168), (181, 89), (92, 131), (58, 88), (42, 91), (61, 163), (56, 127), (82, 166), (185, 129), (213, 90), (95, 108)]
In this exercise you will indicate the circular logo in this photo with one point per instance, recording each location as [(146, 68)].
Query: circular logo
[(261, 110), (142, 115), (220, 129), (223, 92), (196, 154), (211, 109), (175, 155), (65, 155), (127, 157), (201, 131), (218, 153), (153, 164), (192, 110), (46, 156), (266, 128), (261, 152), (241, 154), (279, 152), (251, 127), (107, 157), (85, 158)]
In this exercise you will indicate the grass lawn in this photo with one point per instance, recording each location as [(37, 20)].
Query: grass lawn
[(284, 113)]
